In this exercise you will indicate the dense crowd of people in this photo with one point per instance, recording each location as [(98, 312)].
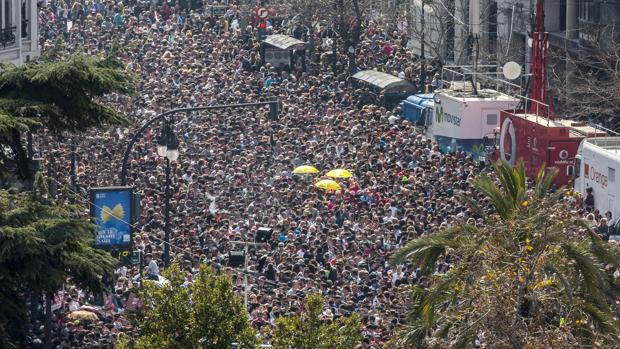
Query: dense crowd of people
[(234, 172)]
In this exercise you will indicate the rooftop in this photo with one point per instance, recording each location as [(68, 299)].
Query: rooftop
[(283, 42), (382, 80), (583, 128), (610, 144), (468, 95), (577, 129)]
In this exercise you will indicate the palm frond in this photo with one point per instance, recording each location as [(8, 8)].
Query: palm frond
[(427, 249), (567, 287), (601, 319), (593, 279), (544, 181), (604, 252), (487, 186)]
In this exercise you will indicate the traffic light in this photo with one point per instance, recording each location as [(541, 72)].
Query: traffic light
[(262, 29)]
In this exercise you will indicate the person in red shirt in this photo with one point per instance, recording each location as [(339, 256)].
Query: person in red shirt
[(387, 49)]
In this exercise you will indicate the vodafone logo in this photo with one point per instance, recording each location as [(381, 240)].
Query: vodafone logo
[(563, 154), (262, 13), (508, 142)]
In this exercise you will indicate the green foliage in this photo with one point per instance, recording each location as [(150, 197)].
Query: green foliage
[(41, 245), (206, 314), (309, 331), (533, 275), (63, 95)]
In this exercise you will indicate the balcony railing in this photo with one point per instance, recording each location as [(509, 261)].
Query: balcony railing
[(7, 36), (25, 28)]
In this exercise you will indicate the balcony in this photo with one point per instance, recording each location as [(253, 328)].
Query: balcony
[(7, 36), (558, 39)]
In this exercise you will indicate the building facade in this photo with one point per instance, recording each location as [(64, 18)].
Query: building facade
[(506, 25), (19, 32)]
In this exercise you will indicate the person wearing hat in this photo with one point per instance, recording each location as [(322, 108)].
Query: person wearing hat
[(437, 83)]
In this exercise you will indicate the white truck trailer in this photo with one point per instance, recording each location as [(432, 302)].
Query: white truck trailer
[(596, 163), (465, 121)]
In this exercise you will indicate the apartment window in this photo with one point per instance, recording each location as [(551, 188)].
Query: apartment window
[(611, 174), (588, 10), (491, 119), (6, 23), (25, 20), (492, 20)]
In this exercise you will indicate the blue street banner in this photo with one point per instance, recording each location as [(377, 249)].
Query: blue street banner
[(111, 208)]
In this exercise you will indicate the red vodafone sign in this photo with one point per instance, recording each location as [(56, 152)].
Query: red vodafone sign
[(262, 13)]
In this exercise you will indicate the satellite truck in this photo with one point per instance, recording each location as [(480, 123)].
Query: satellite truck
[(465, 117), (460, 116), (532, 133)]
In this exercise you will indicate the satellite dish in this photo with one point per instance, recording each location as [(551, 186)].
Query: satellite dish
[(511, 70), (436, 98)]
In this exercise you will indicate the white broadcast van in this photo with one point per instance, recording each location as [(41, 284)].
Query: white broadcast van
[(596, 163), (467, 121)]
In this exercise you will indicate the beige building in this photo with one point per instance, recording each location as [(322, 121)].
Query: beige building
[(19, 34)]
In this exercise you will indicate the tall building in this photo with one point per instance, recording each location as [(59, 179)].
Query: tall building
[(573, 25), (19, 34)]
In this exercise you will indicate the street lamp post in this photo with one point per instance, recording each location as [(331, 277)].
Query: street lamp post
[(273, 112), (422, 25), (168, 148)]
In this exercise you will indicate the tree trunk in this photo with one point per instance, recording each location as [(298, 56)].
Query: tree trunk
[(21, 158), (34, 309), (48, 320)]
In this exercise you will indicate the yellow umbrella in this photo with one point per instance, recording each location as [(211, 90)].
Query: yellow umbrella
[(327, 184), (339, 173), (83, 315), (305, 169)]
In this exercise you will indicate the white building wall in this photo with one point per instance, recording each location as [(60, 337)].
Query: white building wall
[(13, 47), (436, 29)]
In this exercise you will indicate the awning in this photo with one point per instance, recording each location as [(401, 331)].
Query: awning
[(382, 80), (283, 42)]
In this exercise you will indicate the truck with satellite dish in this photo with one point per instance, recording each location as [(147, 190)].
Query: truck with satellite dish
[(462, 116), (533, 133), (467, 120)]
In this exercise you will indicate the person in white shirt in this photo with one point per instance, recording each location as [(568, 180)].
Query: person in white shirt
[(152, 269)]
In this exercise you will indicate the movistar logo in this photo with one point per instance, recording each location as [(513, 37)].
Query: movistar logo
[(440, 116), (439, 113)]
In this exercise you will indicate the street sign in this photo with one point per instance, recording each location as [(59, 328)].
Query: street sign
[(262, 13), (218, 10), (112, 211)]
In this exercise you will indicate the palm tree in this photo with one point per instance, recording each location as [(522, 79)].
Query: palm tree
[(532, 275), (42, 244)]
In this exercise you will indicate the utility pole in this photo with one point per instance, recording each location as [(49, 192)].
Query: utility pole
[(246, 244), (167, 215), (422, 24), (474, 32)]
